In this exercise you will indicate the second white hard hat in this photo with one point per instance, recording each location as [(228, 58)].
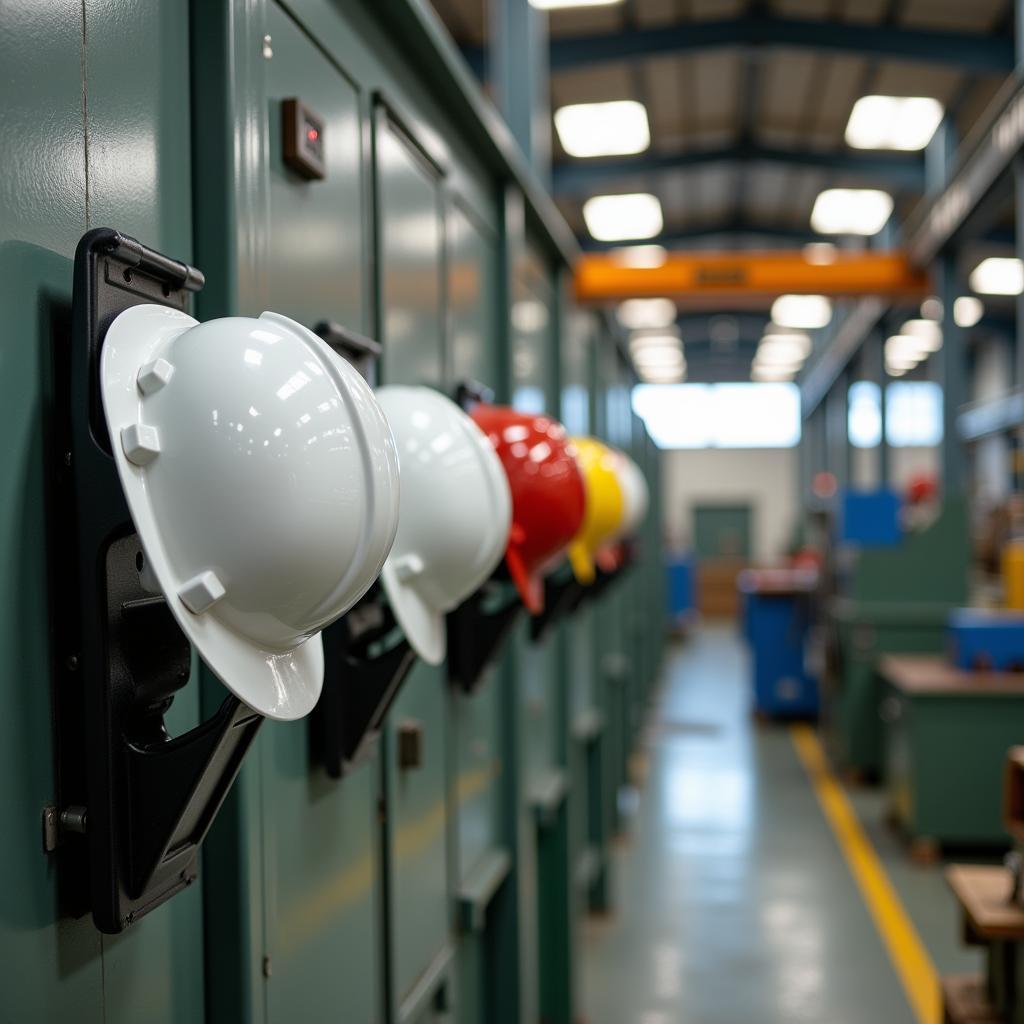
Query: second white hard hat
[(455, 515), (262, 479)]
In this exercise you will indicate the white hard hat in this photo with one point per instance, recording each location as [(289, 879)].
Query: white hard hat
[(455, 518), (263, 482), (635, 494)]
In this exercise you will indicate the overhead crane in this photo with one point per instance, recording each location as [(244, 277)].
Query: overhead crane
[(736, 278)]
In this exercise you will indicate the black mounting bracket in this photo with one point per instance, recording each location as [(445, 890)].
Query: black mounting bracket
[(471, 392), (362, 352), (477, 630), (562, 596), (366, 661), (135, 803)]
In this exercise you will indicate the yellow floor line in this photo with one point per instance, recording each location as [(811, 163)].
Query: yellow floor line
[(906, 951)]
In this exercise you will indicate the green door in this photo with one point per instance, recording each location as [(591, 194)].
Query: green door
[(722, 531), (321, 857), (411, 260), (475, 719)]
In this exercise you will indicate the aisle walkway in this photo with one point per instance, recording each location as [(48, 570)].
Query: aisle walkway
[(734, 903)]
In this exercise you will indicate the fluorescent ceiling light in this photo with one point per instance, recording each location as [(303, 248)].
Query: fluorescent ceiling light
[(796, 342), (998, 275), (927, 333), (893, 122), (778, 355), (851, 211), (900, 365), (643, 341), (662, 375), (640, 257), (651, 357), (895, 371), (558, 5), (603, 129), (967, 311), (617, 218), (804, 312), (771, 375), (644, 314), (903, 352)]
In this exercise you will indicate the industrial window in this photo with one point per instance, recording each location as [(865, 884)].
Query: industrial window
[(864, 414), (720, 415), (913, 414)]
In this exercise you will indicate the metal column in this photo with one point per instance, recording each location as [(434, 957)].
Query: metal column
[(952, 375), (518, 70), (952, 359)]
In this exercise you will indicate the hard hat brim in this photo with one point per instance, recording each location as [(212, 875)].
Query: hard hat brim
[(423, 625), (283, 685)]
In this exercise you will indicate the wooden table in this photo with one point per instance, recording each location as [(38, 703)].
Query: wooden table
[(991, 920)]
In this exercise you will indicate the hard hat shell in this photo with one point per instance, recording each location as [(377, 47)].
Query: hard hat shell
[(605, 505), (635, 494), (455, 513), (548, 497), (262, 478)]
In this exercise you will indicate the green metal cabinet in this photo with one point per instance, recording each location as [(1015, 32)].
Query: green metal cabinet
[(132, 171), (945, 763), (893, 600), (295, 864), (410, 217), (852, 696)]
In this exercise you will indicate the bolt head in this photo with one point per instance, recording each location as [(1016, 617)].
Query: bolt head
[(202, 592), (141, 443), (153, 376)]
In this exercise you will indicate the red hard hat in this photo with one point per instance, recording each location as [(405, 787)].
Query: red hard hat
[(548, 497)]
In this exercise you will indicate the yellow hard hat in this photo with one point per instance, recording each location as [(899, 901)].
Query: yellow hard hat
[(605, 505)]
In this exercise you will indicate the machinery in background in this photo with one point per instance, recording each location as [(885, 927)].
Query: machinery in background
[(892, 595)]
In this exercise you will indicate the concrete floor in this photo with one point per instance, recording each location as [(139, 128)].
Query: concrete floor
[(734, 903)]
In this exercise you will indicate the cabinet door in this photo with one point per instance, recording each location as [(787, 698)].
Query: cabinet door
[(473, 354), (321, 853), (411, 238)]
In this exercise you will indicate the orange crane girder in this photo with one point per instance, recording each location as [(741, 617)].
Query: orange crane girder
[(739, 277)]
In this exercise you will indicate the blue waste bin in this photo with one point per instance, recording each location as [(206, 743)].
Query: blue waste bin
[(777, 621)]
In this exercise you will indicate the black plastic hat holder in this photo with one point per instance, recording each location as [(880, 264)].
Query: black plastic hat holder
[(133, 803)]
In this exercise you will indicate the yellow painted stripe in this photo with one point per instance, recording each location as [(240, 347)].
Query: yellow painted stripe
[(906, 950)]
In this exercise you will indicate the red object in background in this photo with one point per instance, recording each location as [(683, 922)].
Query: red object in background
[(548, 497), (806, 558), (824, 485), (921, 488)]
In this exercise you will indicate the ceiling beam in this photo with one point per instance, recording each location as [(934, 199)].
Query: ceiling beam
[(696, 235), (900, 171), (985, 54)]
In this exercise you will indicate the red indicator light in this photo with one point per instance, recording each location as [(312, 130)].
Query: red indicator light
[(312, 134)]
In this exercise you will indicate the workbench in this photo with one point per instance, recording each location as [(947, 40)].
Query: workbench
[(991, 920), (947, 736)]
